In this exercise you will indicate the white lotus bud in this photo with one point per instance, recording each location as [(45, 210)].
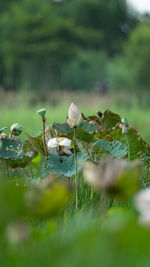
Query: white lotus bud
[(124, 129), (74, 115)]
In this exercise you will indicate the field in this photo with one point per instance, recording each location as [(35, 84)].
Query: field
[(21, 109), (91, 227)]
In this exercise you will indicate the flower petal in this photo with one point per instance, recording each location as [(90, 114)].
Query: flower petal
[(53, 142), (67, 151), (66, 142)]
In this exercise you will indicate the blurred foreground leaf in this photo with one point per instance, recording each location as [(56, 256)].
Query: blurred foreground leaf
[(47, 198)]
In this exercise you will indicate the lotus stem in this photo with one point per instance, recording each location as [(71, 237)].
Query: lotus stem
[(76, 170), (129, 152), (103, 202), (44, 141)]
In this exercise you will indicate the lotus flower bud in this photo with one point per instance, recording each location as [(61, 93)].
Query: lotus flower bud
[(74, 115), (124, 121), (42, 112), (16, 129)]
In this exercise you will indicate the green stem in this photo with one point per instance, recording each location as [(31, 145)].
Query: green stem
[(7, 170), (76, 170), (103, 202), (44, 141), (129, 152), (91, 194)]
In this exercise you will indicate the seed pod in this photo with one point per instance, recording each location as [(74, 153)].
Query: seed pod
[(42, 112), (16, 129)]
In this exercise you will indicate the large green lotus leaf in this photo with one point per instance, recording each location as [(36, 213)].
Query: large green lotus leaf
[(37, 143), (92, 118), (88, 127), (63, 165), (11, 149), (82, 135), (136, 143), (110, 119), (115, 148), (16, 153), (64, 128), (92, 151)]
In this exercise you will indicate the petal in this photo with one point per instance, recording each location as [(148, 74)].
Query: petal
[(67, 152), (52, 143), (66, 142)]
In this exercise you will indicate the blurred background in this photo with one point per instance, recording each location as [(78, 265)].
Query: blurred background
[(86, 50)]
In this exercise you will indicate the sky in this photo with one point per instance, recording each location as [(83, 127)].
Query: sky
[(141, 5)]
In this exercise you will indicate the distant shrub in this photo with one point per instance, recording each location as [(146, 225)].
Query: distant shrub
[(137, 51), (88, 68)]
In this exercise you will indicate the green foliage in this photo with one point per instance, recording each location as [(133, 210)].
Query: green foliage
[(12, 204), (47, 198), (58, 234), (138, 56), (63, 165), (115, 148), (40, 42), (36, 142), (16, 153), (110, 119)]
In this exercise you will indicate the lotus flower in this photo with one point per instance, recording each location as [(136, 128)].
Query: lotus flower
[(74, 115), (62, 144)]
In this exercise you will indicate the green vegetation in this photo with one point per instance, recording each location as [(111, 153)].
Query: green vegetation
[(137, 116), (43, 42), (49, 219)]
